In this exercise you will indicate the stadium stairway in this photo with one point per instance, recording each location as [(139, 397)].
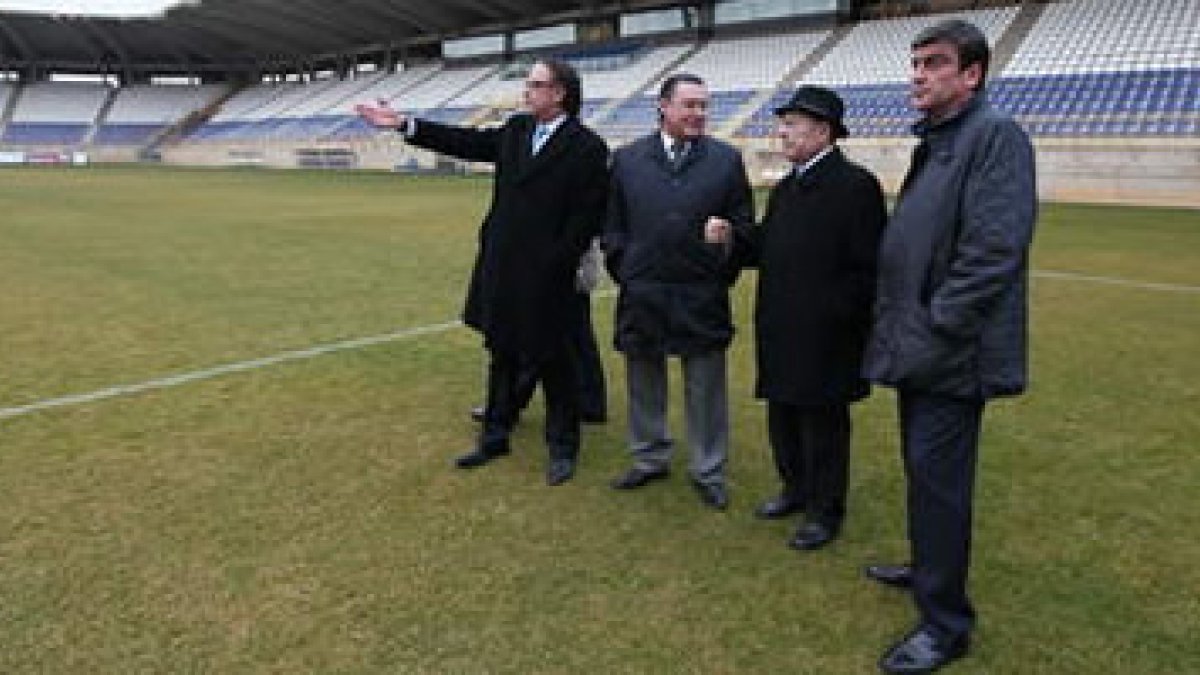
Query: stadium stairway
[(101, 116), (487, 73), (1015, 34), (10, 107), (792, 77), (178, 132)]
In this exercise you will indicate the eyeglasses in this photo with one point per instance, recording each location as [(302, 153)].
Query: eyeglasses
[(539, 84)]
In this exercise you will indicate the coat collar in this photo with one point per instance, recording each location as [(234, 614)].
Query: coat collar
[(927, 129), (653, 148), (819, 171), (559, 142)]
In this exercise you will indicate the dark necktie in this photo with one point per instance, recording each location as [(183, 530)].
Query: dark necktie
[(678, 153)]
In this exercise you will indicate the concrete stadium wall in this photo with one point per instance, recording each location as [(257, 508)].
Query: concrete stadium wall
[(1149, 172), (384, 153)]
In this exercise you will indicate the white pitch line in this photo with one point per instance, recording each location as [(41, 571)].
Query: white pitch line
[(209, 373), (357, 343), (1117, 281)]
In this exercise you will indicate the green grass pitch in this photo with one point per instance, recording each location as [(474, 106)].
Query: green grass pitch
[(304, 517)]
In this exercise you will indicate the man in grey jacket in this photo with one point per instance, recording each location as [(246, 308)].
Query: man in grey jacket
[(950, 321), (674, 297)]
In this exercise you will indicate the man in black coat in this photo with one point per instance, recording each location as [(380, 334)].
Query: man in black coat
[(548, 202), (585, 352), (950, 321), (674, 298), (816, 253)]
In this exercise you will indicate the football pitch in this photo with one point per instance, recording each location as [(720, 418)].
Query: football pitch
[(230, 400)]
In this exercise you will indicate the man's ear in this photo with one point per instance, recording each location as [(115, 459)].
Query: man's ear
[(974, 75)]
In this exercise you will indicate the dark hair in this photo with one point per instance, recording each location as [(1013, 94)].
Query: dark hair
[(970, 43), (566, 77), (667, 90)]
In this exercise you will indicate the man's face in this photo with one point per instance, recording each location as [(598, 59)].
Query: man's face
[(543, 96), (939, 85), (802, 136), (685, 113)]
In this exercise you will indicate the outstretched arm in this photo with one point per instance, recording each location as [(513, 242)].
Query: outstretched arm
[(474, 145)]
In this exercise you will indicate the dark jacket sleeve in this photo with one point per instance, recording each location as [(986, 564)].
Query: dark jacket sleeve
[(616, 229), (998, 212), (747, 245), (739, 211), (868, 215), (473, 145), (590, 190)]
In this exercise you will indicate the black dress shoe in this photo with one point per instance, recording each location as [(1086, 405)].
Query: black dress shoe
[(922, 652), (559, 471), (812, 536), (897, 576), (637, 476), (779, 507), (712, 495), (479, 457)]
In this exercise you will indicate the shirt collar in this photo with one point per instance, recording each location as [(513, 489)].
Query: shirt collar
[(802, 169), (669, 142), (552, 125)]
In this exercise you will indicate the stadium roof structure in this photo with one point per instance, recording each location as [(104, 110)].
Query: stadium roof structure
[(234, 34)]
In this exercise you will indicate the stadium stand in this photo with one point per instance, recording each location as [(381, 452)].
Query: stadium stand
[(607, 91), (869, 69), (1097, 68), (55, 113), (1093, 72), (141, 112), (333, 116), (1095, 36), (876, 52), (1103, 80), (734, 69)]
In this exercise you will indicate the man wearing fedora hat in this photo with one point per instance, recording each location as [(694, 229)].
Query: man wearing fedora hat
[(816, 253)]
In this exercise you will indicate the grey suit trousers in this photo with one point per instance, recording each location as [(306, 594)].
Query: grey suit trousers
[(706, 406)]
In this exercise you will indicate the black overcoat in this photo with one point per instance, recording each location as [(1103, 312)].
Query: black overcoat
[(816, 254), (674, 287), (545, 210)]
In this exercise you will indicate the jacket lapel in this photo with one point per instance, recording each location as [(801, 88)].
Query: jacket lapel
[(517, 145), (819, 171), (658, 153), (655, 151), (558, 143)]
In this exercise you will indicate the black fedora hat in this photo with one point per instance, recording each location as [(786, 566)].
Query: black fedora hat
[(819, 102)]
